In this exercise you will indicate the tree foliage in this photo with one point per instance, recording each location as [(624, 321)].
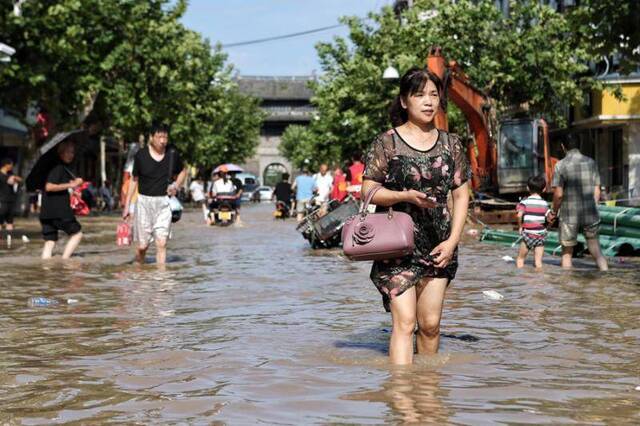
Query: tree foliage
[(610, 27), (530, 59), (124, 64)]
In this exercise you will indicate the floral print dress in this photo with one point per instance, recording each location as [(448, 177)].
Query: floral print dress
[(397, 166)]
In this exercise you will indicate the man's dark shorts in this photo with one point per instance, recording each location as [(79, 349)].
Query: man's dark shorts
[(50, 228), (6, 213)]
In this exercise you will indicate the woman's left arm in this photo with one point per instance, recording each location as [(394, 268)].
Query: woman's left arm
[(443, 253)]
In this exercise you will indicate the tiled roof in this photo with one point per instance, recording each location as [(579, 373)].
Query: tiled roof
[(276, 88)]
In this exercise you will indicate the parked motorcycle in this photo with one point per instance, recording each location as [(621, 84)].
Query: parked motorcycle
[(322, 226)]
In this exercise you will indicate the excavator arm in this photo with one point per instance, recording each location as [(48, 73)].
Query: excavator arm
[(475, 106)]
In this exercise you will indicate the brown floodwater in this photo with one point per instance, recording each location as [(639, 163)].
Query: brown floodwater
[(250, 326)]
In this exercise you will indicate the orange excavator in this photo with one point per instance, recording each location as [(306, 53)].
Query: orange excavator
[(522, 148)]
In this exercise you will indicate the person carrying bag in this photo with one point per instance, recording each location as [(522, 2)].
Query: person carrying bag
[(410, 171)]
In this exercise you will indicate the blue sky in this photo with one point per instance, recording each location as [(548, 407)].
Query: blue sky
[(230, 21)]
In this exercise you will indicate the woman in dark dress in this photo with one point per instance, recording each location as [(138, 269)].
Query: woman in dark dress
[(418, 165)]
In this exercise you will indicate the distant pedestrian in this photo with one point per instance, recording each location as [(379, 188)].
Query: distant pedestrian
[(532, 218), (304, 185), (8, 184), (576, 185), (339, 188), (196, 190), (56, 213), (155, 182), (324, 184), (107, 196), (356, 173)]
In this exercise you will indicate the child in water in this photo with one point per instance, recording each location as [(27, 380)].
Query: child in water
[(532, 218)]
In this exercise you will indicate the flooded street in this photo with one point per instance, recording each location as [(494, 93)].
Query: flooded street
[(249, 325)]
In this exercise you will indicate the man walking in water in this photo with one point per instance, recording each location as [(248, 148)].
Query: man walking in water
[(576, 186), (154, 168)]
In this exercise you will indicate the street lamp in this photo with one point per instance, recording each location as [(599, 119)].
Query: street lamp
[(390, 73)]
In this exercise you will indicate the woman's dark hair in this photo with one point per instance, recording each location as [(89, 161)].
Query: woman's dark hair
[(412, 82)]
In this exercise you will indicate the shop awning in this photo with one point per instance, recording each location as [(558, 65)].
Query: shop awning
[(10, 124)]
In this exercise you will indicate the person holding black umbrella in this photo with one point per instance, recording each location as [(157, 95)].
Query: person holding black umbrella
[(154, 169), (56, 213)]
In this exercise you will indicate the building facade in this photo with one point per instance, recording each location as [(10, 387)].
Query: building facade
[(286, 100), (609, 131)]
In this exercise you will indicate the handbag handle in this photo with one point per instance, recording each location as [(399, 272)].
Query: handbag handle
[(368, 199)]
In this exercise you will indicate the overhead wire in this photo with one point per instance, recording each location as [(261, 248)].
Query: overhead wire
[(281, 37)]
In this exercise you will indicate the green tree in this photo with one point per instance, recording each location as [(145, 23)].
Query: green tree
[(528, 59), (122, 65), (610, 27)]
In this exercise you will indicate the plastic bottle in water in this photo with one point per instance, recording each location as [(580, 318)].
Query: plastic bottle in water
[(41, 302)]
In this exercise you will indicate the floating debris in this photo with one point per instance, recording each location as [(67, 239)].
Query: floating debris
[(493, 295)]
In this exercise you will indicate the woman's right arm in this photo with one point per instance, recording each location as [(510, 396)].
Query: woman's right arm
[(386, 197)]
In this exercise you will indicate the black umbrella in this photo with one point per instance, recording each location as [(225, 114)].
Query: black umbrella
[(37, 177)]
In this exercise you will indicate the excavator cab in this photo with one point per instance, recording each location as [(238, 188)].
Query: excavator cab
[(523, 151)]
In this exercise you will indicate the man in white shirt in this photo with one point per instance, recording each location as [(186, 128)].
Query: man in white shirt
[(324, 183)]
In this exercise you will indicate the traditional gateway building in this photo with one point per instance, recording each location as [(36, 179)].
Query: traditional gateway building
[(286, 100)]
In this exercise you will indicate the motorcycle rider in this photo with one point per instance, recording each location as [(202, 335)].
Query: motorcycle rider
[(283, 194), (238, 194), (222, 186)]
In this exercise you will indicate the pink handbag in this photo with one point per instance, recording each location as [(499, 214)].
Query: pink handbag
[(377, 236)]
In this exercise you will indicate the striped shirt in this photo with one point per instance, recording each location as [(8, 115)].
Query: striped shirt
[(534, 214)]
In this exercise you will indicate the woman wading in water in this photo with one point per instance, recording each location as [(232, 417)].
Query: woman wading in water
[(418, 165)]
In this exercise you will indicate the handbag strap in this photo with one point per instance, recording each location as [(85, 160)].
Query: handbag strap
[(369, 197), (171, 152)]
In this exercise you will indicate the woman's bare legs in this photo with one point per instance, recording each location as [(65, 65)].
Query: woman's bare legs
[(430, 299), (403, 317)]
